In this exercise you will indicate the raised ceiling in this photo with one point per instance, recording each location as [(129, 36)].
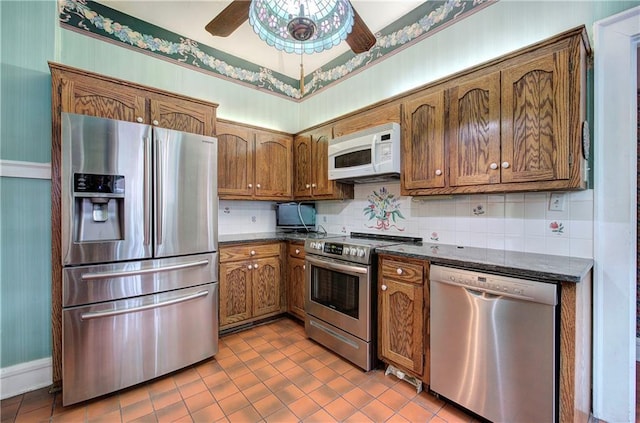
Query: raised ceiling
[(174, 31), (188, 18)]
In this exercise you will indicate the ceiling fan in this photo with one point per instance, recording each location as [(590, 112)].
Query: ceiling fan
[(360, 39)]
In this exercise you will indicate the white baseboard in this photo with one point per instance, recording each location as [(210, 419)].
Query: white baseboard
[(25, 377), (637, 349)]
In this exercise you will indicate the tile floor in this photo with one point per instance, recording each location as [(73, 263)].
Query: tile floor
[(270, 373)]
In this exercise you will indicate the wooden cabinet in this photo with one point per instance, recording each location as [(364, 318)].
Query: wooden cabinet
[(91, 94), (514, 124), (311, 168), (364, 119), (250, 283), (253, 163), (403, 304), (423, 152), (296, 287)]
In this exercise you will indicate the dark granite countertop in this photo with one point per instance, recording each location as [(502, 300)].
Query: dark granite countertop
[(533, 266), (270, 236)]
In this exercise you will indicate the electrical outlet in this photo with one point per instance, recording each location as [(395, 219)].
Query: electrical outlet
[(556, 202)]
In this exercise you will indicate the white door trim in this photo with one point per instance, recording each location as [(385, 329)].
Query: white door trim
[(615, 238)]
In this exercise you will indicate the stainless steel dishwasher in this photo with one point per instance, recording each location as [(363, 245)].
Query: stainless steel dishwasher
[(493, 344)]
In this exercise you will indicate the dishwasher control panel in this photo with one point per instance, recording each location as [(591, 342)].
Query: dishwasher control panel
[(496, 284)]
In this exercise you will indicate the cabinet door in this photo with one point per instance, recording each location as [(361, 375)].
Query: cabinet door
[(320, 183), (423, 142), (86, 96), (181, 115), (273, 178), (401, 324), (235, 160), (535, 120), (235, 292), (302, 166), (296, 287), (266, 286), (474, 132)]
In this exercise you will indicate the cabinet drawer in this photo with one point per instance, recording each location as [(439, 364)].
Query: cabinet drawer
[(296, 250), (402, 271), (248, 251)]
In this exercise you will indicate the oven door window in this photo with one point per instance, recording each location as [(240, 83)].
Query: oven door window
[(352, 159), (335, 290)]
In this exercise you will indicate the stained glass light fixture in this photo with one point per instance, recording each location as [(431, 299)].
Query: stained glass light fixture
[(301, 26)]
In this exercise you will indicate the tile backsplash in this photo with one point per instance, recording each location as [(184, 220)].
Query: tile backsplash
[(530, 222)]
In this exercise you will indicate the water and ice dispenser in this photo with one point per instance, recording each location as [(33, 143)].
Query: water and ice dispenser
[(98, 207)]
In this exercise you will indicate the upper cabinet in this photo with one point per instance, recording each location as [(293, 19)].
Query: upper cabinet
[(87, 93), (253, 163), (423, 149), (514, 124), (311, 168)]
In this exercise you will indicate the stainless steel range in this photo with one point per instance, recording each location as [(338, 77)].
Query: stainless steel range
[(340, 301)]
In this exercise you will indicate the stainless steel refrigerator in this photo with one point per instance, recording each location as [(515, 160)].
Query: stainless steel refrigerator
[(139, 252)]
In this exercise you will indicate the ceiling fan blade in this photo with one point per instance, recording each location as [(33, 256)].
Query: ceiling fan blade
[(229, 19), (360, 39)]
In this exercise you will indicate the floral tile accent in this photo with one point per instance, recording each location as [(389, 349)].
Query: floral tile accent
[(384, 207), (478, 210), (95, 19), (434, 236), (556, 227)]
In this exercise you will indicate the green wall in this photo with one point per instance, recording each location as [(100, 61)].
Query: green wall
[(30, 36), (26, 43)]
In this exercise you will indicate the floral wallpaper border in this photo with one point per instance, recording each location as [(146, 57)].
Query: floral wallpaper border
[(95, 19)]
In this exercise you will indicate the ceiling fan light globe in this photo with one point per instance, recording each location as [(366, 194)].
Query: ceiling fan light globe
[(293, 26)]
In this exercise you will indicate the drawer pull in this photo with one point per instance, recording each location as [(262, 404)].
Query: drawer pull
[(399, 271), (253, 253), (383, 287), (297, 251)]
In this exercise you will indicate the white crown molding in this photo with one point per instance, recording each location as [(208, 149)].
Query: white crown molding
[(18, 169), (25, 377)]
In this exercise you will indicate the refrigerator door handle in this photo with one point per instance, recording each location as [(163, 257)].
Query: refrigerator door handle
[(159, 188), (147, 192), (99, 314), (109, 275)]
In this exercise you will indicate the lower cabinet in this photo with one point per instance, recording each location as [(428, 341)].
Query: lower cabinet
[(296, 281), (403, 310), (251, 283)]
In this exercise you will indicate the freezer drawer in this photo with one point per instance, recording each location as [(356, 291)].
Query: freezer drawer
[(91, 284), (113, 345)]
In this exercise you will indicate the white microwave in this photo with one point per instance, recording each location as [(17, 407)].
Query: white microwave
[(371, 155)]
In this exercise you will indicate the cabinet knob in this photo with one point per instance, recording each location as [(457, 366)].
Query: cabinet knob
[(438, 172), (399, 271), (155, 122), (258, 186), (250, 185), (297, 250), (505, 165), (493, 166), (313, 185), (383, 287), (249, 267), (139, 119), (255, 266), (252, 252), (307, 186), (304, 267)]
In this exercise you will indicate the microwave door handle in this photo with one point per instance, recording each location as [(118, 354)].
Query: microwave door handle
[(373, 152)]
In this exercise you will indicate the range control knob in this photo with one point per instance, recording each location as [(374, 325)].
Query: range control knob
[(353, 251), (360, 252), (320, 246), (312, 245)]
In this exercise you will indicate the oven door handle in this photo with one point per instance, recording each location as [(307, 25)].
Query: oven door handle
[(340, 267)]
